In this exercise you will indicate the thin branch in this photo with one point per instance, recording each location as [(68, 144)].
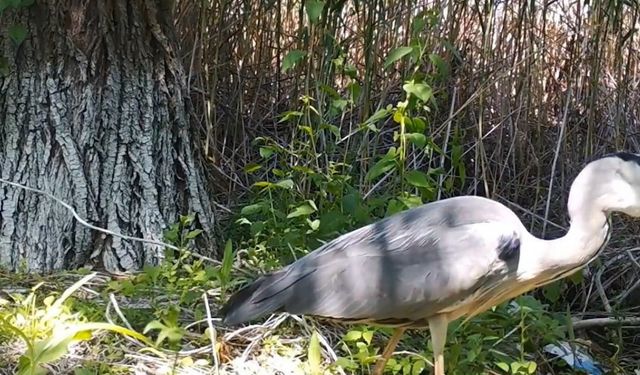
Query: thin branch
[(606, 322)]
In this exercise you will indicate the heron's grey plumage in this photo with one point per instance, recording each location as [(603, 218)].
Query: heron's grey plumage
[(399, 270), (438, 262)]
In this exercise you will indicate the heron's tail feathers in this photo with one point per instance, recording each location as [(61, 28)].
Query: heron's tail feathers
[(266, 295)]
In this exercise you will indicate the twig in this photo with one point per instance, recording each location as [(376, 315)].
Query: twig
[(605, 322), (103, 230), (212, 333), (563, 125), (445, 145)]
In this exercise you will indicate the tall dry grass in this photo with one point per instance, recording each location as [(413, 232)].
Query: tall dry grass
[(536, 88)]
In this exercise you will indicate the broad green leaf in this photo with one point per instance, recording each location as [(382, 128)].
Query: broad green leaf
[(330, 91), (70, 290), (411, 201), (350, 201), (418, 367), (352, 336), (367, 336), (503, 366), (227, 260), (314, 225), (420, 90), (52, 348), (314, 10), (314, 355), (252, 209), (265, 152), (418, 125), (380, 115), (252, 167), (396, 55), (346, 363), (285, 184), (394, 206), (339, 104), (302, 210), (382, 166), (417, 178), (291, 59), (418, 139), (290, 115), (354, 91), (17, 33), (193, 234), (263, 184), (552, 291)]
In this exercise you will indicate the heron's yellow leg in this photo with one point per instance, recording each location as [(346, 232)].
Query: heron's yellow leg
[(438, 328), (388, 350)]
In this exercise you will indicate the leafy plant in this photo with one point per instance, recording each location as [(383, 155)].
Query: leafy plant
[(49, 329)]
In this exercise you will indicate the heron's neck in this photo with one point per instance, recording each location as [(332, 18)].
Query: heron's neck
[(586, 236)]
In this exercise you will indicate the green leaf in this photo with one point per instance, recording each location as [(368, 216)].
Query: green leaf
[(417, 178), (302, 210), (503, 366), (263, 184), (291, 59), (354, 91), (252, 168), (314, 355), (418, 139), (314, 225), (396, 55), (227, 261), (367, 336), (346, 363), (352, 336), (552, 291), (252, 209), (265, 152), (420, 90), (411, 201), (382, 166), (285, 184), (17, 33), (394, 206), (193, 234), (290, 115), (440, 64), (418, 367), (314, 10)]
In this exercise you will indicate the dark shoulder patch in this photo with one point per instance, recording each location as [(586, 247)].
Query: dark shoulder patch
[(626, 156), (509, 247)]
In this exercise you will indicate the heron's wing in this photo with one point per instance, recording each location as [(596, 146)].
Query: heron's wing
[(404, 268), (410, 266)]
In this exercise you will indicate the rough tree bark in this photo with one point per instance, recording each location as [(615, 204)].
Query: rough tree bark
[(94, 111)]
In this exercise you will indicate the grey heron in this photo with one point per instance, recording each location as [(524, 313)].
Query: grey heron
[(442, 261)]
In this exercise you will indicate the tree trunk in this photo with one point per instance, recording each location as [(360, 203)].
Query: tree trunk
[(93, 110)]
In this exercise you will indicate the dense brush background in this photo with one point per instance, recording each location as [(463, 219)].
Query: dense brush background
[(524, 94), (318, 117)]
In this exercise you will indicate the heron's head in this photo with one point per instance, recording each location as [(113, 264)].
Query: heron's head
[(609, 184)]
